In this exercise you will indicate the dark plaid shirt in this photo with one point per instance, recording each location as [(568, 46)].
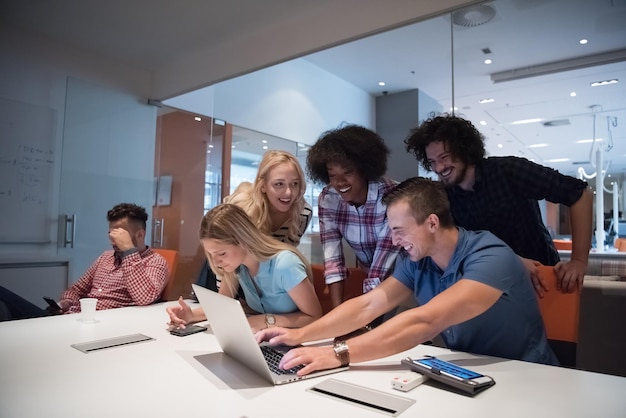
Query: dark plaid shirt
[(505, 202)]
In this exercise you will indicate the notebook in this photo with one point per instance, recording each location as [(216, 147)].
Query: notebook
[(232, 330)]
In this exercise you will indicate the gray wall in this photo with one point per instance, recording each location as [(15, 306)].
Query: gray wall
[(396, 114)]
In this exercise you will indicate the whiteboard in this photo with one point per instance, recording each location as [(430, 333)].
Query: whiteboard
[(27, 134)]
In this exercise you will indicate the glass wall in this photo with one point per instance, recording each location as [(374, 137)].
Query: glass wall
[(525, 93), (472, 62)]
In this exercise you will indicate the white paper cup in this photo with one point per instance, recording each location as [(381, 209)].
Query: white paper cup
[(88, 310)]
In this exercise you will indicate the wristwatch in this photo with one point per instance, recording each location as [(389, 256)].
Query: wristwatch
[(342, 351), (270, 320)]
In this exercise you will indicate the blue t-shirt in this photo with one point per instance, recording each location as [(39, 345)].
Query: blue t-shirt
[(513, 326), (275, 278)]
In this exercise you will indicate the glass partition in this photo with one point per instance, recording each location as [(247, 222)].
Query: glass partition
[(471, 61), (107, 158)]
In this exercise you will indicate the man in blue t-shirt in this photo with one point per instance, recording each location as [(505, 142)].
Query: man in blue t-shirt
[(471, 288)]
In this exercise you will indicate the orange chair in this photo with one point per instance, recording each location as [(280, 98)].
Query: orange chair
[(620, 244), (353, 285), (560, 313), (562, 244), (171, 256)]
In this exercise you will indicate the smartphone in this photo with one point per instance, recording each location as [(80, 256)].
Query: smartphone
[(458, 377), (52, 303), (188, 330)]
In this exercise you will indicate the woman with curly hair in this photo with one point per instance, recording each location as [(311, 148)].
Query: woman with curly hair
[(352, 161)]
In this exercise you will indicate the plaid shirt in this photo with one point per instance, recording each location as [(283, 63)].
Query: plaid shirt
[(138, 280), (364, 228), (504, 201)]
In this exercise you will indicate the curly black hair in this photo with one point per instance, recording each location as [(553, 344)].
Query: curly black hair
[(131, 211), (351, 145), (460, 137)]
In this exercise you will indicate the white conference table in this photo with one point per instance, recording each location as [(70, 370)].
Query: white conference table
[(42, 376)]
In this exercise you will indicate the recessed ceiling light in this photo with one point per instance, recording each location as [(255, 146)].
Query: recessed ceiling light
[(488, 61), (482, 122), (524, 121), (454, 109), (604, 82), (233, 147), (537, 145), (264, 141), (500, 146), (381, 83), (557, 160), (583, 42), (198, 119), (264, 146), (573, 94), (482, 101)]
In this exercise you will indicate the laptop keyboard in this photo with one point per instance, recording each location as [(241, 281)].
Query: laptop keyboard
[(273, 356)]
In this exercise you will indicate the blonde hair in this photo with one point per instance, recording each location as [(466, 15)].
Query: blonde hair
[(253, 201), (230, 225)]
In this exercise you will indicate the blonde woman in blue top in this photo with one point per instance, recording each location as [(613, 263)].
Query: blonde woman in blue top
[(275, 203), (275, 277)]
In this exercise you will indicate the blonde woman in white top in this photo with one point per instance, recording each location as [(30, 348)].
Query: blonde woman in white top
[(275, 201)]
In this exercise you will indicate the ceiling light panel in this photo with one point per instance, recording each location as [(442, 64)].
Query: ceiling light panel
[(560, 66)]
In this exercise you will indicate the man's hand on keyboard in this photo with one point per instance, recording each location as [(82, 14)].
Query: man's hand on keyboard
[(313, 358), (278, 335)]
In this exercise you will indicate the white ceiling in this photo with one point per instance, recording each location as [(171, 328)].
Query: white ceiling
[(523, 33)]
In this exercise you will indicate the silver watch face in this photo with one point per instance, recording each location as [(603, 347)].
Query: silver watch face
[(340, 347), (270, 319)]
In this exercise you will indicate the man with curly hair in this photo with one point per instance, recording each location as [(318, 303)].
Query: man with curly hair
[(500, 195), (352, 161), (128, 274)]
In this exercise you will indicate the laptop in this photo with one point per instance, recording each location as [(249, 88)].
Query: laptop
[(232, 330)]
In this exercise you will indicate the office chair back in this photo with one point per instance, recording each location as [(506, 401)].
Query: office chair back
[(562, 244), (353, 285), (560, 313), (171, 256)]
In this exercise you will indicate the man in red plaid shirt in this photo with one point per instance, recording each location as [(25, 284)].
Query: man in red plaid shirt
[(129, 274)]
